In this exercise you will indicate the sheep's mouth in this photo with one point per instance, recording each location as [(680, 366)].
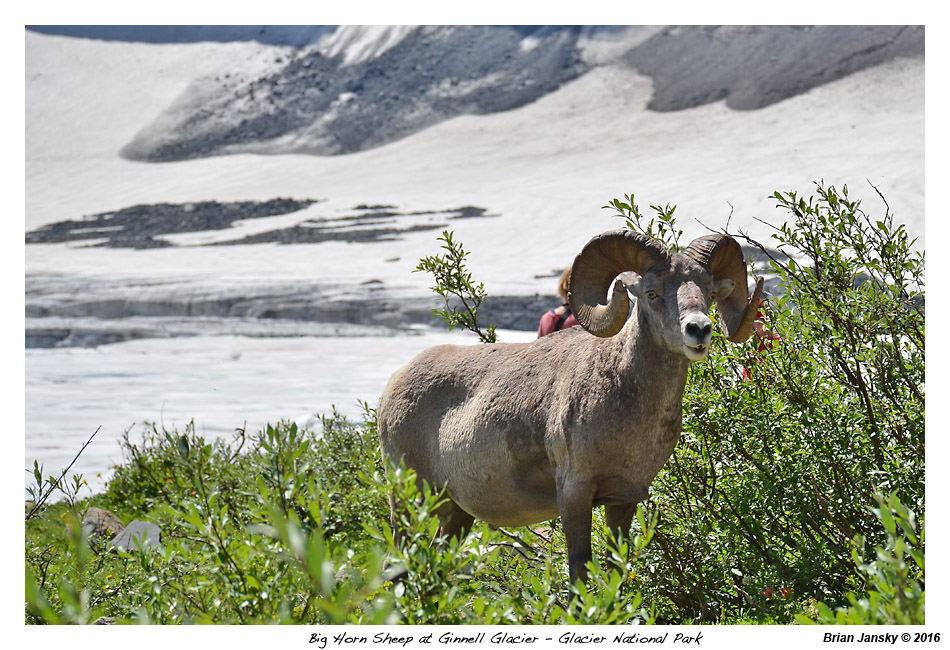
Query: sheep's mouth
[(696, 352)]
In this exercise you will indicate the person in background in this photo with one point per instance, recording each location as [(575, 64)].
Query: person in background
[(765, 338), (561, 317)]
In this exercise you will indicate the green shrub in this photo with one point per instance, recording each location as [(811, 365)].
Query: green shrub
[(893, 589), (774, 474), (251, 532)]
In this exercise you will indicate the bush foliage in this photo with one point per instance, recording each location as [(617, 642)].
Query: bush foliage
[(780, 503), (787, 443)]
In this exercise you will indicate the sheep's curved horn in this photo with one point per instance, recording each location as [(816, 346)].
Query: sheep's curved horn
[(722, 255), (600, 261)]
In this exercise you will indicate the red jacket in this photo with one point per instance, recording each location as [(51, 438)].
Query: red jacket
[(552, 321)]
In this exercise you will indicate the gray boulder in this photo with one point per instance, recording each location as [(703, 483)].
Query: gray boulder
[(137, 533), (99, 524)]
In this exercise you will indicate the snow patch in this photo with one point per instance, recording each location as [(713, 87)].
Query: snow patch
[(529, 43), (599, 45), (356, 43)]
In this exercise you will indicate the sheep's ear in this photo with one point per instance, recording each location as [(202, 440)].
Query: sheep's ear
[(632, 281), (723, 289)]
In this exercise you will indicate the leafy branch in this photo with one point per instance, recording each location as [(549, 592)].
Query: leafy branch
[(40, 494), (661, 228), (453, 280)]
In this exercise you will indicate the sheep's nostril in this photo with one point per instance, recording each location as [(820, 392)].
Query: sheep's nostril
[(699, 331)]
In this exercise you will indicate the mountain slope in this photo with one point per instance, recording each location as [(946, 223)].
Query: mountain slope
[(319, 103), (753, 66), (359, 88)]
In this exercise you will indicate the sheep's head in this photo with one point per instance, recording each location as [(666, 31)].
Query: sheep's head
[(676, 291)]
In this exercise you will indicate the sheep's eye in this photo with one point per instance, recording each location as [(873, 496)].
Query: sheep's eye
[(651, 294)]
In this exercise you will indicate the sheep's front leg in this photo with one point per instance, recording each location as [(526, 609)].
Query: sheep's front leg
[(575, 501)]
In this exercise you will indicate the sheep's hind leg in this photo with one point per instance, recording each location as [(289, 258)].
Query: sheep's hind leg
[(453, 521), (394, 520), (395, 572)]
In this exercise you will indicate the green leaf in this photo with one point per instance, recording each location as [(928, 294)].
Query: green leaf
[(183, 447), (884, 512)]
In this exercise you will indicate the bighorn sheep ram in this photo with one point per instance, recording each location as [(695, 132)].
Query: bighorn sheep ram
[(522, 433)]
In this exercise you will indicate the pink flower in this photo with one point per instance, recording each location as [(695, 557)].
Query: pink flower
[(784, 592)]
